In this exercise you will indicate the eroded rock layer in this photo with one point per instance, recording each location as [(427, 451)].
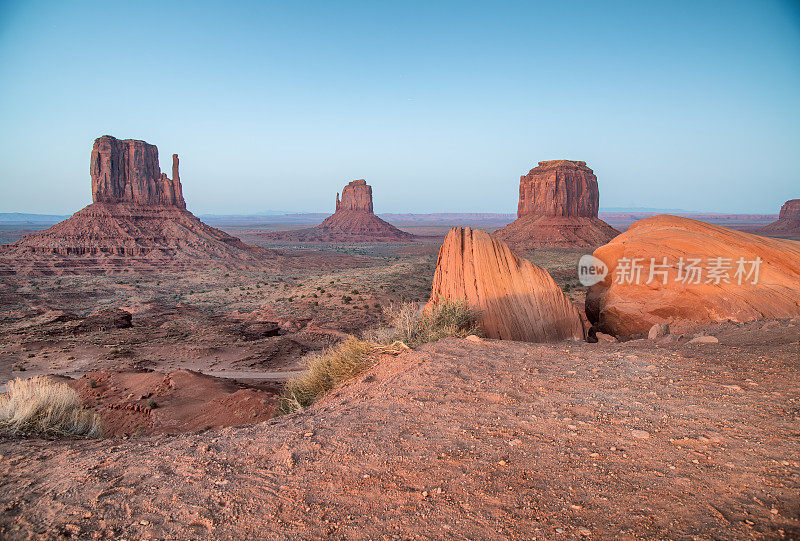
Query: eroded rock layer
[(517, 300), (667, 269)]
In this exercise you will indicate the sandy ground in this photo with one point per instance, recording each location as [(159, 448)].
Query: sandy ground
[(462, 440)]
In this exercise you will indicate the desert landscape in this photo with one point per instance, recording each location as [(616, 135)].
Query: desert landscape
[(455, 322)]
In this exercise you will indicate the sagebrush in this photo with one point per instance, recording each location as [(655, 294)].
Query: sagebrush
[(40, 405)]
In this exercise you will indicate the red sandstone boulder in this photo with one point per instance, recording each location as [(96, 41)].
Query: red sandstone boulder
[(558, 205), (682, 272), (353, 221), (788, 222), (517, 300)]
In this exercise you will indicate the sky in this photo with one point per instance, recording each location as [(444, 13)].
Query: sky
[(440, 106)]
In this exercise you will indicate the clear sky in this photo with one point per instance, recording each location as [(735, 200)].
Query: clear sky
[(441, 106)]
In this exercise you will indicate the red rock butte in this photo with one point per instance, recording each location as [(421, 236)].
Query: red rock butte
[(352, 221), (788, 222), (558, 205), (516, 299), (137, 221)]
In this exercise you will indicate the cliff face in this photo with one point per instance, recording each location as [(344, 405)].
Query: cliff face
[(559, 188), (357, 195), (788, 222), (127, 171)]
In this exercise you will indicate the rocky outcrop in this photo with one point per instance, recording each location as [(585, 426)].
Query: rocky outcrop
[(517, 300), (127, 171), (682, 272), (353, 221), (558, 205), (357, 195), (138, 221), (788, 222), (559, 188)]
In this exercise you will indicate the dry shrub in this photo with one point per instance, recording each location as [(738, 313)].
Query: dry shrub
[(42, 406), (410, 326), (414, 326), (327, 369)]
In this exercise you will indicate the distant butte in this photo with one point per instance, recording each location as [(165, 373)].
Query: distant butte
[(558, 205), (788, 222), (352, 221), (137, 221)]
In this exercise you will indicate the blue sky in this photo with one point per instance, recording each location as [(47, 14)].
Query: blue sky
[(441, 106)]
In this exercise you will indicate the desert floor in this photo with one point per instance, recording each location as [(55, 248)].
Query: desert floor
[(458, 439)]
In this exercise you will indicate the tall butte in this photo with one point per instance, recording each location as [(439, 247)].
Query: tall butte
[(352, 221), (558, 204), (788, 222), (137, 220)]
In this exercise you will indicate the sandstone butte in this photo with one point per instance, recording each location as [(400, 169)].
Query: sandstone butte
[(352, 221), (620, 306), (788, 222), (517, 300), (138, 219), (558, 205)]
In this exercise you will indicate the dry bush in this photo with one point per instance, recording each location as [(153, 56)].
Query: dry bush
[(410, 326), (327, 369), (42, 406), (414, 326)]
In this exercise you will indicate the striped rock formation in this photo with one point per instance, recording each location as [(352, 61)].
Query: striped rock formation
[(517, 300)]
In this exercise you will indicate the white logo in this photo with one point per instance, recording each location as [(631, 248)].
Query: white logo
[(591, 270)]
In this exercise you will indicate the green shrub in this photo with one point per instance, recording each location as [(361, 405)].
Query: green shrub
[(42, 406)]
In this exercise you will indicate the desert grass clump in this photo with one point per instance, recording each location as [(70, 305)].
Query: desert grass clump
[(327, 369), (414, 326), (42, 406)]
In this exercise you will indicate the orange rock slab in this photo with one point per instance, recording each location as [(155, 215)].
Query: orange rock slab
[(517, 300), (626, 307)]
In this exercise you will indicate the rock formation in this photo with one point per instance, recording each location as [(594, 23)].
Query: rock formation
[(138, 219), (517, 300), (357, 195), (128, 172), (667, 269), (558, 205), (788, 222), (353, 221)]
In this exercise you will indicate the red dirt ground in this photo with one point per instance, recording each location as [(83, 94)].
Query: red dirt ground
[(462, 439)]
